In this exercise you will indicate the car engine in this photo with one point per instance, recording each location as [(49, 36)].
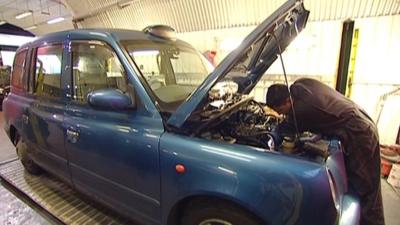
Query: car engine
[(245, 124), (238, 119)]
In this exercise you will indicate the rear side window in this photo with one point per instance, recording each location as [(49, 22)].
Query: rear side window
[(18, 69), (48, 71)]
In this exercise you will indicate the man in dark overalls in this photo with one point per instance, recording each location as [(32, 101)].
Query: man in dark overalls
[(320, 109)]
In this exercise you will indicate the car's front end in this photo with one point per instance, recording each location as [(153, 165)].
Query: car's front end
[(223, 144), (278, 188), (346, 202)]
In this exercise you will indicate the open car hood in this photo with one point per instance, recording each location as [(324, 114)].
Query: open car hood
[(247, 63)]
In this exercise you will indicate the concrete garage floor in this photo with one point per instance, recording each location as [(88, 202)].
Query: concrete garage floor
[(7, 150), (14, 211)]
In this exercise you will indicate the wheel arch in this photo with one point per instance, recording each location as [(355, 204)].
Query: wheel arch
[(178, 209), (14, 135)]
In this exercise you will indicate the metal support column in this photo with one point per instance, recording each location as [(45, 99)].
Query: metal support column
[(344, 56)]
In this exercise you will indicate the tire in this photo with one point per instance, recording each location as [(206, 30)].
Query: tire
[(215, 213), (26, 161)]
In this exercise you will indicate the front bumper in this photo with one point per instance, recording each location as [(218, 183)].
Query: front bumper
[(351, 209)]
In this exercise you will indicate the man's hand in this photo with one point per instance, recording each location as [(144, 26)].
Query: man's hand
[(270, 112)]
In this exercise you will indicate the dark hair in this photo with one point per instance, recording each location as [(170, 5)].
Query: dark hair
[(276, 95)]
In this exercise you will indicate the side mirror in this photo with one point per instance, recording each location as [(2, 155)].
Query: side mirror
[(111, 99)]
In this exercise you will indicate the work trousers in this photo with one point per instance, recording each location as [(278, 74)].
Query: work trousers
[(362, 159)]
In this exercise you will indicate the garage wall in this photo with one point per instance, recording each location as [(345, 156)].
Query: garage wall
[(377, 72), (315, 54), (306, 56)]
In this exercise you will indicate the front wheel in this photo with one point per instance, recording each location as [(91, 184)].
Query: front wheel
[(27, 162), (212, 213)]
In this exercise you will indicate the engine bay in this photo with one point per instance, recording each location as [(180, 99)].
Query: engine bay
[(239, 119), (243, 121)]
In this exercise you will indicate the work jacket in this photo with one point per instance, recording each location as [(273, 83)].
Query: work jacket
[(319, 108)]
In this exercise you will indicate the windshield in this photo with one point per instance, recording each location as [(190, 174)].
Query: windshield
[(172, 71)]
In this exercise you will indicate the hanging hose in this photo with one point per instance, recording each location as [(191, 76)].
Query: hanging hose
[(382, 100)]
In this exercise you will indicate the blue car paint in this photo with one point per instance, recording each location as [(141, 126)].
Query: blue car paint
[(133, 183), (350, 213), (278, 188), (126, 159), (111, 99), (116, 159), (336, 166), (42, 127)]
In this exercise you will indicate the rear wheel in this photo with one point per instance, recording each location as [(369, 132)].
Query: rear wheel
[(27, 162), (211, 213)]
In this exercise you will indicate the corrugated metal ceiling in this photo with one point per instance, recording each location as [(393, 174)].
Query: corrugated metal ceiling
[(184, 15), (195, 15), (42, 11)]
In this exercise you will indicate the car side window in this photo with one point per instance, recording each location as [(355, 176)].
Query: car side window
[(48, 71), (18, 69), (95, 66)]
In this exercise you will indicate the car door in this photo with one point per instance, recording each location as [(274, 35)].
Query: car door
[(113, 154), (44, 117)]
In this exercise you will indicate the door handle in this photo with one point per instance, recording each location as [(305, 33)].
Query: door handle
[(72, 135), (25, 119)]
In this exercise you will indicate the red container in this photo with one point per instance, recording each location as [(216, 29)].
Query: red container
[(386, 166)]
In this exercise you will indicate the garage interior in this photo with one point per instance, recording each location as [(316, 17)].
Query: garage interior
[(351, 46)]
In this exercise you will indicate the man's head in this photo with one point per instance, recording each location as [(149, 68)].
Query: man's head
[(278, 98)]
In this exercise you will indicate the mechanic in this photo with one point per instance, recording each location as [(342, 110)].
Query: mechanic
[(320, 109)]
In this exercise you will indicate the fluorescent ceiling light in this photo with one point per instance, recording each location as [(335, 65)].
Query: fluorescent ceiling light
[(56, 20), (2, 22), (31, 27), (23, 14), (124, 4)]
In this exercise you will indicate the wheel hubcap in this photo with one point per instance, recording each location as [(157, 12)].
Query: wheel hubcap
[(215, 222)]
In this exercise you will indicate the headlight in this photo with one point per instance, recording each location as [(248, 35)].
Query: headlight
[(334, 190)]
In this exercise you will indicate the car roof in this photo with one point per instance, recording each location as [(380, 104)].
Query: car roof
[(118, 34)]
